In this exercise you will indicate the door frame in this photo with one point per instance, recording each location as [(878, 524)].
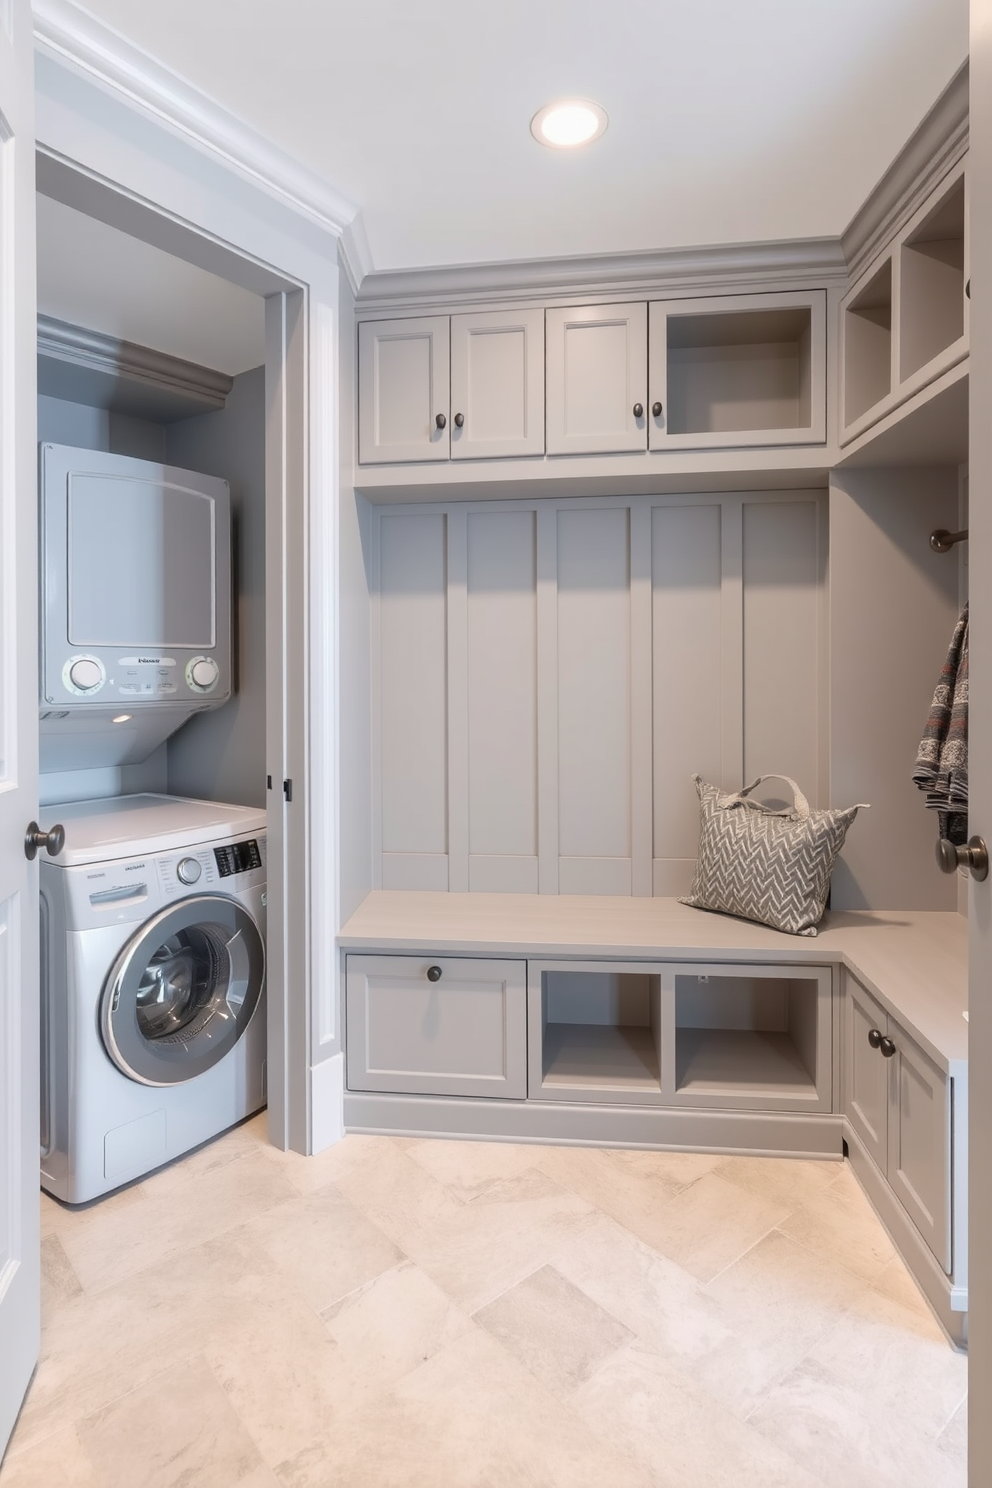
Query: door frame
[(103, 156)]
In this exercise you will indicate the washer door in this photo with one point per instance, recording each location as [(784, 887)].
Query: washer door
[(183, 990)]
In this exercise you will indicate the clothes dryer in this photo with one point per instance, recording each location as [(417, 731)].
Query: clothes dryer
[(153, 986)]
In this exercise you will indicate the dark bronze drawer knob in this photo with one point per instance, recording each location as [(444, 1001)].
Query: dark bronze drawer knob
[(440, 420), (875, 1038), (433, 973), (656, 409)]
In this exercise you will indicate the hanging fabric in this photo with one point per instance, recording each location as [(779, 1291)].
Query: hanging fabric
[(942, 761)]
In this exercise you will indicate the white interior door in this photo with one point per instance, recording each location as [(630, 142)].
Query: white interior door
[(19, 1242)]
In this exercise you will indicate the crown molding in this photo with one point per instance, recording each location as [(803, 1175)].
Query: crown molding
[(931, 151), (685, 270), (122, 375), (73, 36)]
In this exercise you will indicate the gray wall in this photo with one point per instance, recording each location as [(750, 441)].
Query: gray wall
[(893, 604), (61, 422), (220, 756)]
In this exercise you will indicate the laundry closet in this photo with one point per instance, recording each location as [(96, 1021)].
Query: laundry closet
[(601, 540), (151, 428)]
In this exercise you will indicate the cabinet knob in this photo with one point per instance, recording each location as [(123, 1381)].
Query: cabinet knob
[(974, 857), (459, 420), (638, 410), (433, 973), (656, 409), (875, 1038), (887, 1047), (440, 420)]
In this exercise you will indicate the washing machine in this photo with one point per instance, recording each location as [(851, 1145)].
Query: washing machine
[(153, 985)]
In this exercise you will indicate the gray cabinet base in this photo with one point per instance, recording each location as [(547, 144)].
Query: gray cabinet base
[(776, 1134), (949, 1302)]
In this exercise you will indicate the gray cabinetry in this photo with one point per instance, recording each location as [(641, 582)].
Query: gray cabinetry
[(437, 1025), (458, 387), (597, 379), (898, 1102)]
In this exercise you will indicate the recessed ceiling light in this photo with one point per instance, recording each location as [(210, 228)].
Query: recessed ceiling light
[(568, 123), (122, 718)]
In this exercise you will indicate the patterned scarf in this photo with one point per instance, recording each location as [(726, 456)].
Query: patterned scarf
[(942, 761)]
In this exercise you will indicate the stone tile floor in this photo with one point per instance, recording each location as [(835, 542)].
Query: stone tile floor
[(398, 1313)]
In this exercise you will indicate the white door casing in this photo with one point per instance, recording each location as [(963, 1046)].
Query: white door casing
[(19, 1205)]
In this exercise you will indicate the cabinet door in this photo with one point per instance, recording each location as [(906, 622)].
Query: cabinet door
[(866, 1072), (403, 390), (421, 1025), (497, 384), (920, 1142), (597, 375)]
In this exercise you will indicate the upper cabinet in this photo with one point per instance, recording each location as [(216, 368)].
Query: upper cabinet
[(597, 379), (904, 322), (727, 372), (451, 387)]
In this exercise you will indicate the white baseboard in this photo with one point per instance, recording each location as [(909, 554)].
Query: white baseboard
[(327, 1103)]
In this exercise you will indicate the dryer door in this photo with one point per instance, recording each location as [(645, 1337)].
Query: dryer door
[(183, 990)]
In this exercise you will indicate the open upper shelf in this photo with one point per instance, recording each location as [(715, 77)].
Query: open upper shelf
[(868, 345), (740, 371), (931, 308)]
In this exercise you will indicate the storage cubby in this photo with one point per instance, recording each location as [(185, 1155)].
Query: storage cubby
[(594, 1035), (932, 309), (868, 345), (739, 371), (752, 1037)]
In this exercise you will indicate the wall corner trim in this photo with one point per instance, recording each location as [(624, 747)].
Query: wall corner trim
[(79, 40)]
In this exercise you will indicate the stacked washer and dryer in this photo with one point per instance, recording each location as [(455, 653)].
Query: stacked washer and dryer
[(153, 907)]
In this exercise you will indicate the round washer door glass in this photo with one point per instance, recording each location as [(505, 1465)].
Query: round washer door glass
[(183, 990)]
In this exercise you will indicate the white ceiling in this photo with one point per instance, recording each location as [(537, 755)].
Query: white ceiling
[(730, 120), (94, 276)]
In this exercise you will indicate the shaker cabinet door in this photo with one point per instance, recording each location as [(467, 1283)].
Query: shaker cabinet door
[(403, 390), (497, 384), (597, 379), (866, 1072), (920, 1142)]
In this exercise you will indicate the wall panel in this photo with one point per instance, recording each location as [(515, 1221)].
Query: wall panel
[(413, 766)]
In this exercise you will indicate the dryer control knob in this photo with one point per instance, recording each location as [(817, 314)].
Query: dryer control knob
[(188, 870), (86, 674), (202, 673)]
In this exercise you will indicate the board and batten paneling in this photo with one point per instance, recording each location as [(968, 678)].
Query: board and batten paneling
[(412, 701), (593, 686), (501, 701), (783, 624), (551, 674)]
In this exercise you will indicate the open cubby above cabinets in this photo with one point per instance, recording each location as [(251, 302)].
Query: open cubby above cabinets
[(904, 323)]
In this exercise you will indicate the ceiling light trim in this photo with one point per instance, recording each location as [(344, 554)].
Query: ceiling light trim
[(552, 114), (73, 36)]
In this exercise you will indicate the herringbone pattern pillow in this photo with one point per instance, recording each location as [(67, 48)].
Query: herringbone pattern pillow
[(769, 866)]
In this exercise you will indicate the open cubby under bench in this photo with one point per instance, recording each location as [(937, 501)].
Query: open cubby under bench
[(641, 1022)]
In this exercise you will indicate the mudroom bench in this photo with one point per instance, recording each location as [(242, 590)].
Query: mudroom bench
[(641, 1022)]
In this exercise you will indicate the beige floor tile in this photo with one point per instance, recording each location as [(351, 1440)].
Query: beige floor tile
[(783, 1180), (554, 1329), (465, 1168), (643, 1404), (396, 1192), (387, 1329), (476, 1251), (666, 1307), (324, 1243), (630, 1186), (953, 1440), (778, 1300), (239, 1142), (309, 1174), (896, 1283), (178, 1431), (57, 1462), (841, 1224), (823, 1423), (898, 1361), (99, 1346), (471, 1417), (59, 1282), (169, 1220), (710, 1225)]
